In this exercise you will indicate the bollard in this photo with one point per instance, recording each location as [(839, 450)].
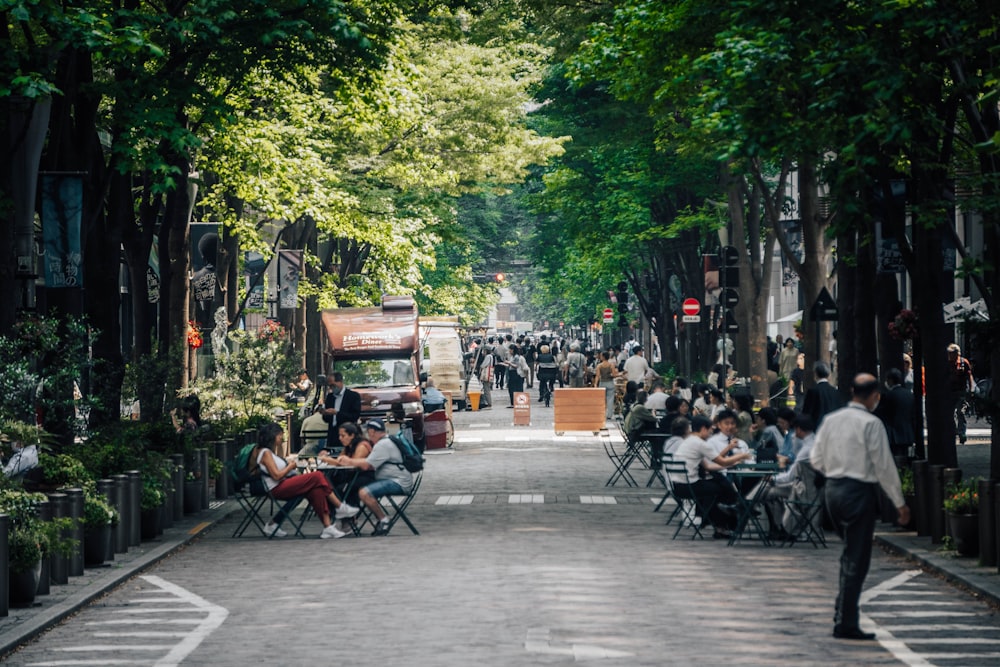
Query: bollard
[(201, 458), (74, 500), (987, 522), (106, 488), (951, 476), (120, 495), (178, 469), (222, 481), (59, 566), (935, 476), (167, 515), (134, 500), (922, 501), (4, 550), (44, 513)]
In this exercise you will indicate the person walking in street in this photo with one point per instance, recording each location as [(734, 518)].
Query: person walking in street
[(896, 412), (852, 451), (576, 366), (960, 384), (604, 376), (547, 370), (517, 371), (487, 367), (788, 358), (822, 398)]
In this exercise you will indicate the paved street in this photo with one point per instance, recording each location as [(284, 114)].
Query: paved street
[(524, 558)]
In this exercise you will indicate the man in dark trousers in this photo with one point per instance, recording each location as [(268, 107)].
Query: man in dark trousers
[(852, 451), (341, 405), (823, 398), (896, 412)]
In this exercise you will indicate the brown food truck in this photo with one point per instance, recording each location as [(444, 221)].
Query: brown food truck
[(376, 350)]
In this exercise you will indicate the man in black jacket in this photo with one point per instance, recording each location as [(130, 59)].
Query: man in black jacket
[(341, 405), (823, 398), (895, 409)]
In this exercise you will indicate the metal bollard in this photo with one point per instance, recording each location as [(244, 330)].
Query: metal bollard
[(44, 512), (178, 470), (120, 496), (60, 564), (936, 515), (75, 501), (201, 459), (922, 492), (4, 563), (135, 501), (106, 488), (987, 522)]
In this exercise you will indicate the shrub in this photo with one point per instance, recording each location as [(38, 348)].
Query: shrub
[(962, 498), (97, 511)]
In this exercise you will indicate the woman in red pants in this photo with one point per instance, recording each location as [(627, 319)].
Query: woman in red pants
[(284, 483)]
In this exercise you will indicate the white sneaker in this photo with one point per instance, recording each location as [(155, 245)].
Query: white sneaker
[(346, 511), (331, 532), (272, 529)]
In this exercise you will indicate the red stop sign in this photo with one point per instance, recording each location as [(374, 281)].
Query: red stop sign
[(691, 307)]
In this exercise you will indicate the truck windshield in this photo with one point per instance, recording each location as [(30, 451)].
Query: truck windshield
[(376, 372)]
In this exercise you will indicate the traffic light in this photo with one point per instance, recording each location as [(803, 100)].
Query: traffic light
[(730, 277), (622, 297), (500, 277)]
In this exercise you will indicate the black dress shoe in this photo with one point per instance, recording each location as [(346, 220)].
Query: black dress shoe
[(852, 633)]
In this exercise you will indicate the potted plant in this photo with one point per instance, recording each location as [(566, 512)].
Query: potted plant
[(192, 493), (961, 506), (26, 544), (98, 518), (150, 500), (909, 494)]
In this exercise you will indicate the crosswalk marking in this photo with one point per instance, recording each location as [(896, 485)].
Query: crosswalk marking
[(526, 498), (598, 500), (454, 500)]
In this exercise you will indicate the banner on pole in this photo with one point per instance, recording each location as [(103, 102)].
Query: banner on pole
[(62, 210), (204, 249), (254, 267), (289, 270)]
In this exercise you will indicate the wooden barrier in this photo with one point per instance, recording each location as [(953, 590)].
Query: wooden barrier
[(579, 410)]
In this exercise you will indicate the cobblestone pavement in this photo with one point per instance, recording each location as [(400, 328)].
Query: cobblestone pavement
[(524, 558)]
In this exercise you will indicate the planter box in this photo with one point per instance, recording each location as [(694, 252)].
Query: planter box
[(192, 496), (579, 410), (96, 545), (964, 530)]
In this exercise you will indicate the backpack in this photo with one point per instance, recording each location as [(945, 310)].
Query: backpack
[(240, 470), (412, 459)]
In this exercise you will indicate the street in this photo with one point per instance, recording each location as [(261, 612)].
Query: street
[(524, 558)]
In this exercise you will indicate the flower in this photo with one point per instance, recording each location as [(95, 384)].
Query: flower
[(271, 331), (962, 498), (905, 326), (194, 337)]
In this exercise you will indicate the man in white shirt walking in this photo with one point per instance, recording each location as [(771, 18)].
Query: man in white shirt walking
[(852, 450)]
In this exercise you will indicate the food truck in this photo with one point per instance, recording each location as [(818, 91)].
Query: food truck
[(442, 355), (377, 351)]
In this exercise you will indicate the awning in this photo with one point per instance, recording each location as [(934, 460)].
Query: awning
[(794, 317)]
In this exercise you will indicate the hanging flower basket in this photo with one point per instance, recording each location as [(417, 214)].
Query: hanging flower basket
[(905, 326), (194, 337)]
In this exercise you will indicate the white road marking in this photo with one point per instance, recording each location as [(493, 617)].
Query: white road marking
[(526, 498), (454, 500), (216, 617), (84, 663), (939, 627), (147, 621), (598, 500)]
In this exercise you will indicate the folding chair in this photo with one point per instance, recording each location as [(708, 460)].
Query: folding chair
[(669, 493), (252, 499), (395, 510), (802, 519), (674, 471), (620, 460)]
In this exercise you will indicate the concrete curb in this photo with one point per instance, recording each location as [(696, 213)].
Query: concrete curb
[(982, 580), (23, 625)]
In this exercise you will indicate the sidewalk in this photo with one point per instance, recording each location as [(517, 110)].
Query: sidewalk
[(22, 624)]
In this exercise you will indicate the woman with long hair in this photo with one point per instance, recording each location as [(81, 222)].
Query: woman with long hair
[(355, 446)]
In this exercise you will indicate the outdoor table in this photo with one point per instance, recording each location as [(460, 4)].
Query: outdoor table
[(748, 508), (311, 464)]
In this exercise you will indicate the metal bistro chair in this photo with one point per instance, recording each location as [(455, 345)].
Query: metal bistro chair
[(395, 510), (802, 520), (674, 471), (620, 460), (252, 499)]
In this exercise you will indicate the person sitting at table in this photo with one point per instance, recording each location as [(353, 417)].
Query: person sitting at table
[(433, 398), (743, 407), (391, 478), (716, 491), (284, 483), (787, 451), (797, 481), (680, 428), (355, 446), (657, 398), (765, 430), (640, 418)]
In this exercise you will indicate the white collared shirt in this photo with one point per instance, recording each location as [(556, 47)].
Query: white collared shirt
[(853, 443)]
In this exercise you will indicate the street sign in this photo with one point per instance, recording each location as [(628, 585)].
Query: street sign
[(609, 315), (691, 319), (825, 308), (730, 297), (691, 307)]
